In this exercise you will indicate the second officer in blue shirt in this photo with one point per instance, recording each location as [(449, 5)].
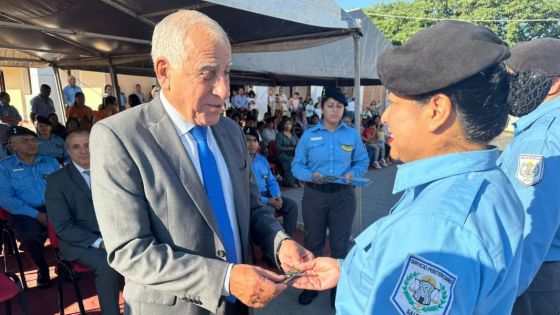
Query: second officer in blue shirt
[(330, 148), (452, 244)]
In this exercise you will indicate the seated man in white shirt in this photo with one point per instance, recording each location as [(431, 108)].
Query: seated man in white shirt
[(70, 209)]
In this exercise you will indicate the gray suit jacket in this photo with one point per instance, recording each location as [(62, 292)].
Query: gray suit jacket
[(70, 209), (155, 217)]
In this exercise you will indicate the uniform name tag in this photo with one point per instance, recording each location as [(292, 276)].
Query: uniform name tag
[(17, 170), (316, 138), (530, 169), (423, 288)]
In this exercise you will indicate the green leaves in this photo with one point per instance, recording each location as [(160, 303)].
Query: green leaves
[(500, 15)]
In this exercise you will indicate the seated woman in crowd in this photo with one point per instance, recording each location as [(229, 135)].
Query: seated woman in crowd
[(108, 108), (50, 144), (286, 142), (374, 146), (269, 132), (57, 128), (72, 124), (81, 112)]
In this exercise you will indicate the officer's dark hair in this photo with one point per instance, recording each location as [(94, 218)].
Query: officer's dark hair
[(480, 102), (45, 86), (3, 94), (109, 100), (73, 133)]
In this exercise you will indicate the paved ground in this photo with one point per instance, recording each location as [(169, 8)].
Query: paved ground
[(377, 200)]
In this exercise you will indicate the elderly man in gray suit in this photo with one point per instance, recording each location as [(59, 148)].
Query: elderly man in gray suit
[(173, 191), (70, 209)]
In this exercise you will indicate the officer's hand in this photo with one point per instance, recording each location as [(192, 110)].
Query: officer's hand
[(273, 202), (317, 178), (42, 218), (291, 255), (322, 274), (254, 286), (348, 177), (280, 202)]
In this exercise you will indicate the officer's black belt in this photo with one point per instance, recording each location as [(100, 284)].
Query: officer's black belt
[(327, 188)]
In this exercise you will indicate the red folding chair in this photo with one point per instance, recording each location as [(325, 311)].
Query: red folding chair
[(10, 287), (9, 241), (69, 270), (271, 157)]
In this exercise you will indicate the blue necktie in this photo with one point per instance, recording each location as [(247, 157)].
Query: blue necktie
[(213, 187)]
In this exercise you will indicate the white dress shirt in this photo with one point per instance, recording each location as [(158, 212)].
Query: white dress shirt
[(87, 179), (189, 143)]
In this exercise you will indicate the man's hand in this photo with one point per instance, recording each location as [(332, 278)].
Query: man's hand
[(291, 255), (254, 286), (317, 178), (42, 218), (348, 177), (275, 202), (322, 274)]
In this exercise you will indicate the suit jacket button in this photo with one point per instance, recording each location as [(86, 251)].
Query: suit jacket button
[(221, 253)]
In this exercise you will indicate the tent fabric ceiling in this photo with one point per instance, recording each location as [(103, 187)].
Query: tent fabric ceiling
[(92, 34)]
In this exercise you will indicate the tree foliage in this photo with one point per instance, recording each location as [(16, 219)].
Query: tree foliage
[(398, 30)]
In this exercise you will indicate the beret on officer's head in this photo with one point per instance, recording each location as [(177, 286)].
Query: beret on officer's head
[(19, 131), (43, 120), (251, 131), (538, 54), (440, 56), (334, 93)]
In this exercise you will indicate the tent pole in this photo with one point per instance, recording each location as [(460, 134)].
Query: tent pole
[(357, 118), (115, 83), (59, 92)]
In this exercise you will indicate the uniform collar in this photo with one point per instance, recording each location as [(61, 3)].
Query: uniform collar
[(321, 126), (182, 125), (424, 171), (38, 158), (543, 109)]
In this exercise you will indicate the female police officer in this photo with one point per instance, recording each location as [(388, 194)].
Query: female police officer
[(452, 244), (331, 148)]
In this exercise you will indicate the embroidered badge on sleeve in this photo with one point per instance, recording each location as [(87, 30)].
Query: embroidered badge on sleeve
[(423, 288), (530, 169)]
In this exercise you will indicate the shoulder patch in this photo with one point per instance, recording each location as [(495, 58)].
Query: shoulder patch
[(530, 169), (423, 288)]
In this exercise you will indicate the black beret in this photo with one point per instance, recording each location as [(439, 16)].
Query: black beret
[(440, 56), (334, 93), (251, 131), (43, 120), (538, 54), (19, 131)]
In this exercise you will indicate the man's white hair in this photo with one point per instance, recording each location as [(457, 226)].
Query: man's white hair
[(171, 34)]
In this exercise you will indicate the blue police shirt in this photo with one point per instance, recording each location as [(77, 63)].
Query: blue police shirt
[(451, 245), (55, 147), (22, 186), (532, 163), (70, 94), (265, 179), (334, 153)]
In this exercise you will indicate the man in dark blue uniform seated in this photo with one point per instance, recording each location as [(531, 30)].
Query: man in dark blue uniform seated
[(268, 186), (22, 194)]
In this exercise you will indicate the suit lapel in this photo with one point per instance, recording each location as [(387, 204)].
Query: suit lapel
[(79, 179), (233, 159), (172, 149)]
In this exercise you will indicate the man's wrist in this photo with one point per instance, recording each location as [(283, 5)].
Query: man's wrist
[(277, 256), (225, 288)]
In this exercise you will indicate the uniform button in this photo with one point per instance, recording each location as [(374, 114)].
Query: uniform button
[(221, 253), (472, 175)]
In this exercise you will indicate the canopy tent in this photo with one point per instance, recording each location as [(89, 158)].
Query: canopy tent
[(328, 64), (95, 34)]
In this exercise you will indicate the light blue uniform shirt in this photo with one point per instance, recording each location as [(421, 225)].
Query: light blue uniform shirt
[(265, 179), (69, 93), (55, 147), (22, 186), (451, 245), (537, 142), (334, 153)]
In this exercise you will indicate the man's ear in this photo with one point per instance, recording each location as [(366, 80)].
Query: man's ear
[(440, 113), (555, 88), (162, 69)]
